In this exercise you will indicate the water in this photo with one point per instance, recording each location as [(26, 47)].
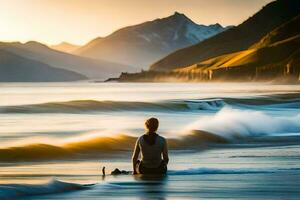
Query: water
[(234, 141)]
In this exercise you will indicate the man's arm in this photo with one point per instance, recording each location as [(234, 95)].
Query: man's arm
[(135, 155), (165, 153)]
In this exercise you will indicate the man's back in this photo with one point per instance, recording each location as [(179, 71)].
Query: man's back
[(153, 149), (151, 154)]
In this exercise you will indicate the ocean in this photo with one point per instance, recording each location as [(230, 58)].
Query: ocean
[(226, 140)]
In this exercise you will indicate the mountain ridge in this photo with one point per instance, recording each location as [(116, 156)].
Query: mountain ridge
[(275, 57), (65, 47), (14, 68), (142, 44), (91, 68)]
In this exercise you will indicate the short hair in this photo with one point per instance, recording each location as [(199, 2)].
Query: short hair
[(151, 124)]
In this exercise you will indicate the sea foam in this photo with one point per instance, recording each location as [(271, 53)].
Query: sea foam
[(236, 123)]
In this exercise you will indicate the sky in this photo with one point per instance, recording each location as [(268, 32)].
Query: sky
[(79, 21)]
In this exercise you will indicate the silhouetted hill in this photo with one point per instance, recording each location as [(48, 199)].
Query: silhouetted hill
[(235, 39), (94, 69), (14, 68), (65, 47), (141, 45)]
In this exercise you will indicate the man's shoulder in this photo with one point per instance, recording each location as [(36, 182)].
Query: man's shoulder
[(140, 138), (161, 138)]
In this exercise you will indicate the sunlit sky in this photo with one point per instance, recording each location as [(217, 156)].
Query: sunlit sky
[(79, 21)]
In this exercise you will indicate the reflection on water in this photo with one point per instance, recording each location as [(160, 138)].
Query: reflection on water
[(152, 186)]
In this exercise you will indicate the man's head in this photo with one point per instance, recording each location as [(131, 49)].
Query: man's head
[(151, 125)]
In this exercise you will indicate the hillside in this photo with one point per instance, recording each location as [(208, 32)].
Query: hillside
[(14, 68), (141, 45), (65, 47), (285, 31), (93, 69), (235, 39), (263, 64), (267, 59)]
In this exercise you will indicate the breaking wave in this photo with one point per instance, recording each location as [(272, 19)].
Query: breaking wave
[(225, 127), (207, 104), (236, 124), (230, 124), (12, 191), (98, 106), (93, 147)]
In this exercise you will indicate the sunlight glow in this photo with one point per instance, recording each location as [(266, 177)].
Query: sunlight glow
[(79, 21)]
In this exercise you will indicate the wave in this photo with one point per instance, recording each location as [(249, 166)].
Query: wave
[(266, 99), (203, 170), (228, 126), (236, 124), (12, 191), (94, 106), (120, 148), (91, 148), (208, 104)]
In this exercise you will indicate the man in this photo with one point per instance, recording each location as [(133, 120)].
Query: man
[(153, 149)]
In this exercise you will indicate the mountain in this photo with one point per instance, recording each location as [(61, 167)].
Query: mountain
[(14, 68), (141, 45), (65, 47), (235, 39), (276, 57), (91, 68)]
